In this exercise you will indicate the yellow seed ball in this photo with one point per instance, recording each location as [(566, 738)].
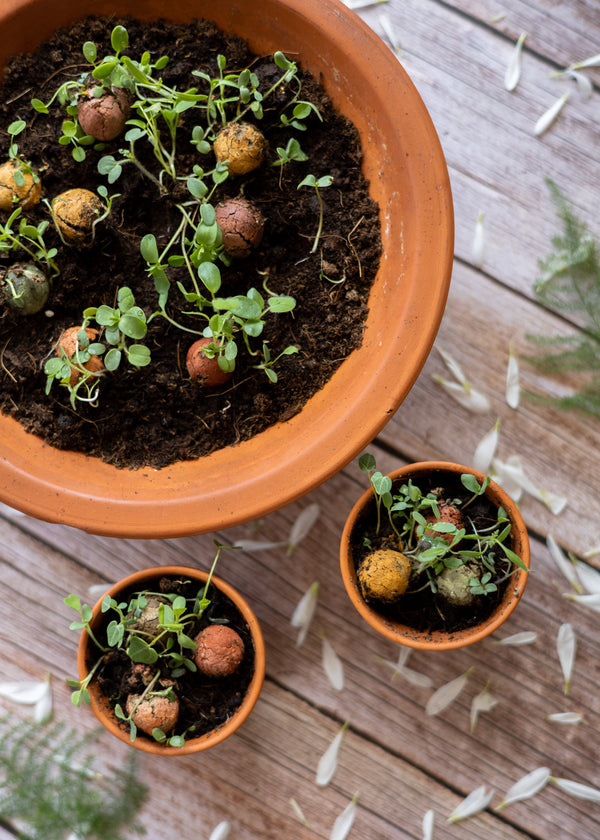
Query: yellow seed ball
[(384, 575), (75, 212), (12, 193), (242, 145)]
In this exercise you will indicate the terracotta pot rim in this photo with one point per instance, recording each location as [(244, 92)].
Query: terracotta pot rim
[(211, 739), (402, 634)]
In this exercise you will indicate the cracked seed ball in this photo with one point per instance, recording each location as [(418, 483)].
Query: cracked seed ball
[(103, 117), (220, 650), (242, 225), (69, 343), (75, 212), (12, 193), (148, 620), (453, 585), (25, 288), (242, 145), (201, 368), (448, 513), (153, 712), (384, 575)]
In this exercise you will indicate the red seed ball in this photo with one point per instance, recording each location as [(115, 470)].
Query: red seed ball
[(203, 369), (220, 650), (153, 712), (448, 513), (69, 343), (242, 225), (103, 117)]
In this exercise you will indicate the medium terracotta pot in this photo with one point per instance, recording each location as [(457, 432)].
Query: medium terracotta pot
[(408, 177), (99, 703), (437, 640)]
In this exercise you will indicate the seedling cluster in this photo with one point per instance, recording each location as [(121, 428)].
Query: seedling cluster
[(121, 110)]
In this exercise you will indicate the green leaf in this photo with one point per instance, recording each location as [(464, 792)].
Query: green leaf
[(119, 38), (78, 154), (132, 326), (367, 463), (89, 51), (112, 360), (210, 275), (197, 187), (114, 634), (105, 315), (149, 248), (125, 299), (470, 483), (138, 355), (281, 303), (140, 651), (39, 106), (103, 70), (16, 127)]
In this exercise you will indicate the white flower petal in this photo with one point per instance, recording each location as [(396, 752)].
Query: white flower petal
[(476, 801), (591, 601), (513, 70), (526, 637), (24, 693), (548, 117), (513, 386), (589, 578), (468, 397), (565, 566), (478, 248), (428, 821), (390, 32), (583, 82), (42, 711), (304, 612), (415, 678), (303, 525), (343, 823), (555, 503), (446, 694), (486, 449), (298, 811), (591, 552), (482, 702), (565, 717), (526, 787), (257, 545), (332, 664), (452, 365), (509, 475), (221, 831), (566, 646), (329, 760), (586, 792), (593, 61)]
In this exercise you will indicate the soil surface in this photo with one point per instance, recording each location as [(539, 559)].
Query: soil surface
[(421, 608), (156, 415), (204, 703)]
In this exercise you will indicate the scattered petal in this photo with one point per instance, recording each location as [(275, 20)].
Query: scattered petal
[(565, 566), (97, 590), (221, 831), (298, 811), (446, 694), (361, 4), (332, 664), (583, 82), (509, 475), (257, 545), (400, 669), (593, 61), (42, 711), (24, 693), (548, 117), (577, 789), (513, 386), (555, 503), (482, 702), (343, 823), (589, 578), (565, 717), (428, 821), (592, 601), (526, 787), (476, 801), (390, 32), (465, 395), (303, 525), (478, 249), (591, 552), (304, 612), (329, 760), (452, 365), (526, 637), (566, 645), (513, 70), (486, 449)]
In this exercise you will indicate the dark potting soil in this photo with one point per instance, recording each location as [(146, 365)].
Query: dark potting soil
[(421, 608), (204, 703), (156, 415)]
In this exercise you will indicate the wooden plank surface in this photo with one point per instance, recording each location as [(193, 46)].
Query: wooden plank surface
[(400, 761)]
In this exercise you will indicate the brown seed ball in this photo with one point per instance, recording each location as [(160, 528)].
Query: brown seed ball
[(220, 650), (69, 343), (384, 575), (153, 712), (242, 225), (27, 194), (453, 585), (242, 145), (448, 513), (201, 368), (30, 285), (148, 620), (103, 117), (75, 212)]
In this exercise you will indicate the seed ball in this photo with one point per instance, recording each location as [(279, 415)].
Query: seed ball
[(25, 288), (242, 145), (75, 212), (448, 513), (242, 225), (453, 585), (103, 117), (148, 620), (153, 712), (220, 650), (26, 194), (384, 575), (203, 369), (69, 343)]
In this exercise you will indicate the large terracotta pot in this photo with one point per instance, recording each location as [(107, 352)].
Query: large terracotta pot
[(408, 178), (436, 640), (102, 708)]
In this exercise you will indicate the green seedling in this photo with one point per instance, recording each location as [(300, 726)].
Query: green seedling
[(120, 324), (268, 363), (30, 239), (291, 152), (318, 184)]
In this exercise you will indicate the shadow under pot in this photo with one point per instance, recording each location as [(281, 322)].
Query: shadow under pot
[(185, 671), (440, 562)]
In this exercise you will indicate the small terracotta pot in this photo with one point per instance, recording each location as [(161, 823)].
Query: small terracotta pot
[(404, 163), (436, 640), (102, 708)]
